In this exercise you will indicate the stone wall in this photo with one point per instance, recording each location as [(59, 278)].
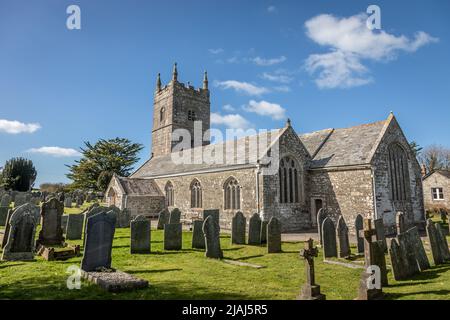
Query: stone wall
[(145, 205), (118, 199), (436, 180)]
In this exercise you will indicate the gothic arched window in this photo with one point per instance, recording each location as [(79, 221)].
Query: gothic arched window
[(398, 172), (196, 194), (289, 180), (232, 194), (169, 194)]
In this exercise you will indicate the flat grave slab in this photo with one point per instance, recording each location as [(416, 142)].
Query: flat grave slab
[(115, 280)]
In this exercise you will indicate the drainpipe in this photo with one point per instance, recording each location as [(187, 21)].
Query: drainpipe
[(257, 172), (375, 212)]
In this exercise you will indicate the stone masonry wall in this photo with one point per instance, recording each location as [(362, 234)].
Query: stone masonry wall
[(145, 205), (436, 180)]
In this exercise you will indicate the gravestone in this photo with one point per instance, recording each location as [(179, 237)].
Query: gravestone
[(22, 228), (163, 219), (343, 243), (273, 235), (93, 210), (198, 238), (400, 222), (380, 233), (254, 230), (264, 231), (64, 218), (398, 261), (6, 200), (211, 232), (175, 216), (442, 240), (51, 232), (238, 224), (173, 236), (321, 215), (114, 211), (3, 215), (123, 219), (328, 238), (417, 244), (6, 230), (379, 259), (436, 251), (68, 202), (310, 290), (20, 199), (359, 225), (74, 226), (409, 254), (140, 235), (99, 239), (212, 212)]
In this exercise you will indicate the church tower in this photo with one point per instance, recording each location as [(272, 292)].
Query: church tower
[(179, 106)]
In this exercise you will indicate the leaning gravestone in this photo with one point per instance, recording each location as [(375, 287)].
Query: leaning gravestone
[(212, 212), (254, 230), (74, 226), (51, 232), (409, 254), (198, 238), (359, 225), (273, 235), (321, 215), (3, 215), (443, 244), (398, 261), (20, 243), (163, 219), (99, 238), (7, 227), (211, 231), (238, 224), (264, 231), (140, 235), (436, 251), (343, 243), (173, 236), (380, 233), (329, 238), (6, 200), (175, 216), (417, 244)]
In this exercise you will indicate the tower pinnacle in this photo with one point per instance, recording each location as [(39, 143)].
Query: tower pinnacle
[(205, 80), (175, 73), (158, 82)]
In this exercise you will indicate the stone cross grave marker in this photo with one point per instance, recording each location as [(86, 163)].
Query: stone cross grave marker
[(140, 235), (99, 237), (274, 235), (359, 225), (238, 225), (328, 238), (343, 243), (198, 238), (51, 232), (254, 230), (211, 231), (310, 290)]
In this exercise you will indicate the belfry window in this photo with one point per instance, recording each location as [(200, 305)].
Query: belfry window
[(289, 181), (162, 114), (232, 194), (191, 115)]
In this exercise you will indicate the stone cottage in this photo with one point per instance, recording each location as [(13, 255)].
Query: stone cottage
[(436, 186), (367, 169)]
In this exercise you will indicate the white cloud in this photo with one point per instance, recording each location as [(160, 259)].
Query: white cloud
[(281, 78), (264, 108), (228, 107), (244, 87), (233, 121), (282, 88), (15, 127), (56, 151), (268, 62), (350, 41), (271, 9), (215, 51)]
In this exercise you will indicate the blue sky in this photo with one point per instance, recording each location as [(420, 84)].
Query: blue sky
[(313, 62)]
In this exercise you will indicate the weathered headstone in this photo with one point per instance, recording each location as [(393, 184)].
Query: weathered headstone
[(310, 290), (417, 244), (173, 236), (212, 212), (211, 231), (434, 243), (398, 261), (400, 222), (163, 219), (68, 202), (64, 218), (99, 238), (409, 254), (264, 231), (20, 199), (380, 233), (198, 238), (6, 200), (175, 216), (74, 226), (7, 227), (273, 235), (140, 235), (238, 224), (343, 243), (443, 244), (123, 219), (321, 215), (51, 232), (3, 215), (254, 230), (20, 242), (93, 210), (359, 225), (328, 238)]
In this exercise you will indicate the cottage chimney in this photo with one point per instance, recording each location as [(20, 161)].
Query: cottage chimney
[(424, 170)]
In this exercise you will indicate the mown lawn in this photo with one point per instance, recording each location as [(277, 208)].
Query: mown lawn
[(187, 274)]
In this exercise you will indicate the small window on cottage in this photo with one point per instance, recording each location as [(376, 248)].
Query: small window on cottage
[(437, 193)]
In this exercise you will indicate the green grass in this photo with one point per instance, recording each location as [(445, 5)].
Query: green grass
[(187, 274)]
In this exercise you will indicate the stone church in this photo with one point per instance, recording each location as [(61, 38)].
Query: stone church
[(367, 169)]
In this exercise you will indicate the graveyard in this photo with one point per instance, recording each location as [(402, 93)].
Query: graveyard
[(244, 272)]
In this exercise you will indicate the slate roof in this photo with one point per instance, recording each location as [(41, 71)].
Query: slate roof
[(342, 147), (165, 165), (137, 187), (445, 173)]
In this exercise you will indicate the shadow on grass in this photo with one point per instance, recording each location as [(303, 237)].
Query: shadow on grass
[(390, 296), (152, 271), (408, 284), (233, 249), (246, 258), (10, 265)]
